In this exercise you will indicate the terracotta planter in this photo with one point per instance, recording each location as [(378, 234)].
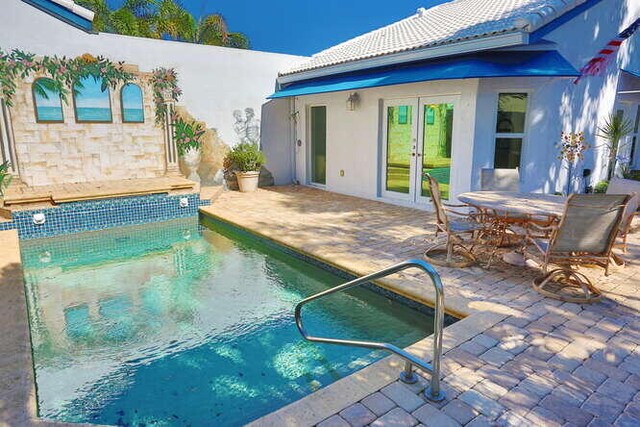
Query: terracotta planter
[(248, 181)]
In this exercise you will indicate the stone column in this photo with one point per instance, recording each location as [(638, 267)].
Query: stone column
[(171, 149), (7, 141)]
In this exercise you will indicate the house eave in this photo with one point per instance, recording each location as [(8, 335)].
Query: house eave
[(465, 46)]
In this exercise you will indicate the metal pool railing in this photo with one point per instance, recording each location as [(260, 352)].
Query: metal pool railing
[(433, 392)]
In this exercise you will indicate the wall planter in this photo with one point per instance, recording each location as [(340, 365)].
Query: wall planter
[(248, 181)]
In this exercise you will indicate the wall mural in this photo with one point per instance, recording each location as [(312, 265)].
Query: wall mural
[(131, 103), (91, 100), (47, 101)]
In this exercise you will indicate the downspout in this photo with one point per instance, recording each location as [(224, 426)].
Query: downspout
[(293, 122)]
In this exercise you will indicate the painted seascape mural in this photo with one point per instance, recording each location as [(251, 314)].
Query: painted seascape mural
[(92, 101), (131, 103), (48, 104)]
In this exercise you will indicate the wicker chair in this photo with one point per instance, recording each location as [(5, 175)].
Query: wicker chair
[(461, 229), (584, 236)]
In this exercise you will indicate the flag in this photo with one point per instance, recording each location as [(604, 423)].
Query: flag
[(599, 63)]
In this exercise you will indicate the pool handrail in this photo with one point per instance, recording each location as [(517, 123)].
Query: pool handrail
[(433, 392)]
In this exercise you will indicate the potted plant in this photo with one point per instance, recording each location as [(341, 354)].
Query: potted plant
[(188, 138), (246, 159)]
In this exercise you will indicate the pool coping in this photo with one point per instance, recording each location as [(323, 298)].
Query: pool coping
[(475, 318)]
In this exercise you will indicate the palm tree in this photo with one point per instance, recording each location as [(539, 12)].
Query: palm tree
[(163, 19), (616, 127)]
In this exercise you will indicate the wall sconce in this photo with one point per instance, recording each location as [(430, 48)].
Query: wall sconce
[(353, 101)]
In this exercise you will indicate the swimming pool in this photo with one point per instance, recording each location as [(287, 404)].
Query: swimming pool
[(173, 323)]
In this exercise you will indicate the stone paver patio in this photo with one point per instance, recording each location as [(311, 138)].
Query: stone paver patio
[(516, 359)]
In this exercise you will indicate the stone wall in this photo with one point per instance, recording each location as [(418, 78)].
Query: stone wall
[(58, 153)]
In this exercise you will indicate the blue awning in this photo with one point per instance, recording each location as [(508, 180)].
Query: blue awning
[(633, 73), (490, 64)]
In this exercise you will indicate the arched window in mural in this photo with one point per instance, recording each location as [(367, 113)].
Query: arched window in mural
[(131, 104), (47, 101), (91, 101)]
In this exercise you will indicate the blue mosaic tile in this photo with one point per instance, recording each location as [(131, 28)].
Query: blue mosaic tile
[(91, 215)]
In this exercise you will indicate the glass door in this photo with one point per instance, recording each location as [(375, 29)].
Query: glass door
[(434, 147), (418, 136), (318, 137), (400, 126)]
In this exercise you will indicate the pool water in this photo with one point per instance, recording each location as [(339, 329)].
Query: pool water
[(174, 323)]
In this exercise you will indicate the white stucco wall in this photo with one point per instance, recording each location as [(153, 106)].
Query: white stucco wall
[(554, 105), (353, 137), (215, 80)]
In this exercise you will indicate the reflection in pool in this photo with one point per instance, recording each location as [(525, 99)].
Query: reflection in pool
[(176, 324)]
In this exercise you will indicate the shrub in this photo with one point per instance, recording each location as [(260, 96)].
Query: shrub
[(601, 187), (245, 157), (5, 177)]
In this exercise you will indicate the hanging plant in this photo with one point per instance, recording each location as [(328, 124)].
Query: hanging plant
[(62, 71), (164, 83)]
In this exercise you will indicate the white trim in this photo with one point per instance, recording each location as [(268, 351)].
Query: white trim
[(77, 9), (453, 49)]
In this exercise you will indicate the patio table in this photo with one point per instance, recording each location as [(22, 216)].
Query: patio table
[(516, 204), (515, 207)]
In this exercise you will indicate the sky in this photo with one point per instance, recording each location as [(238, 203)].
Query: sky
[(303, 27)]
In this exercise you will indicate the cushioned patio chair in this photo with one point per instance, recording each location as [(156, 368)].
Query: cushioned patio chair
[(500, 179), (584, 236), (462, 230)]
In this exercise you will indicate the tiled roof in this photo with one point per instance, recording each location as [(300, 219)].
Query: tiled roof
[(443, 24)]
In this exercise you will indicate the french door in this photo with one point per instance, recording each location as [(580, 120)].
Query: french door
[(417, 139)]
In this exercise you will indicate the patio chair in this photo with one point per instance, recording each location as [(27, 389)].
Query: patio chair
[(462, 230), (632, 188), (500, 179), (627, 219), (584, 236)]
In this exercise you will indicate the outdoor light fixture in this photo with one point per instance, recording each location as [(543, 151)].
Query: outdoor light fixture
[(39, 219), (353, 101)]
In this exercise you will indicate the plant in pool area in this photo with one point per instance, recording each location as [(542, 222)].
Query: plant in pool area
[(614, 130), (572, 147), (164, 83), (187, 135), (5, 177), (245, 157), (601, 187)]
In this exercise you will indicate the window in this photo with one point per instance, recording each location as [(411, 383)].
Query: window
[(91, 101), (47, 101), (319, 145), (510, 130), (131, 104)]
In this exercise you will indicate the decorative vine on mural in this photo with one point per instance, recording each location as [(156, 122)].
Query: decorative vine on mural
[(164, 82), (64, 72)]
